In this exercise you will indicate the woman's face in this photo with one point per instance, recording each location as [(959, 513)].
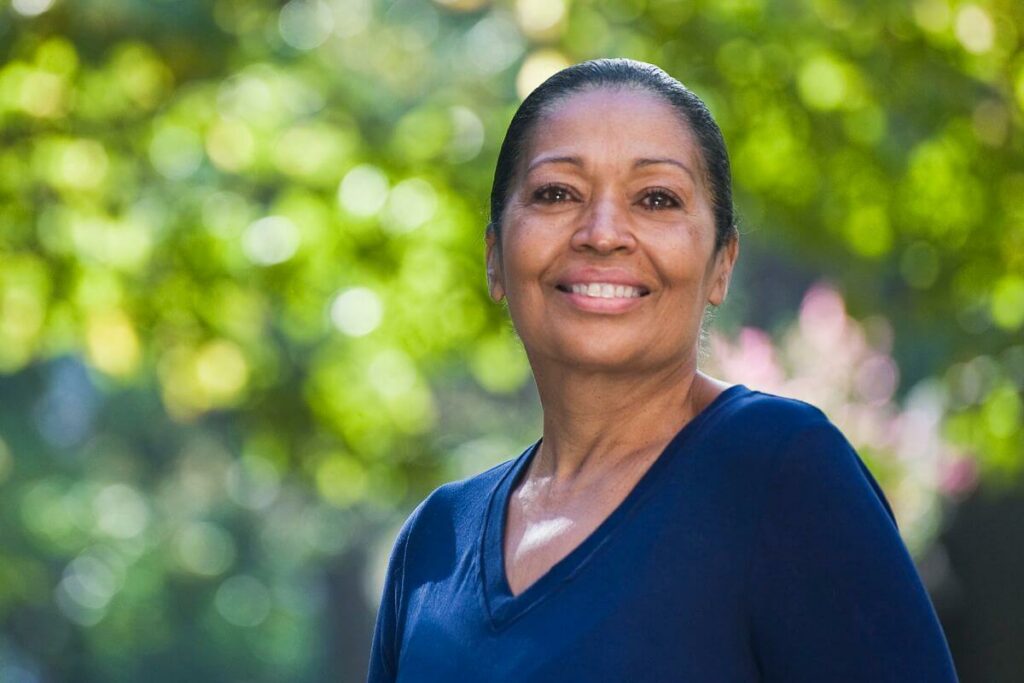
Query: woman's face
[(607, 236)]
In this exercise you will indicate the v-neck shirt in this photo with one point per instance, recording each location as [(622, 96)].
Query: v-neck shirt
[(756, 547), (502, 604)]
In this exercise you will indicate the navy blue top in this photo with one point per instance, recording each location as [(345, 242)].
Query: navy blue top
[(756, 547)]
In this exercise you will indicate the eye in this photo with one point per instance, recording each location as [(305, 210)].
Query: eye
[(552, 194), (656, 199)]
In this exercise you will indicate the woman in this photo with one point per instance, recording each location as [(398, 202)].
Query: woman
[(666, 526)]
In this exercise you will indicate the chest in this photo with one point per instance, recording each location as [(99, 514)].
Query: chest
[(654, 599), (540, 535)]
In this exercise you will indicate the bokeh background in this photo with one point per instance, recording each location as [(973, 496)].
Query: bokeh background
[(244, 327)]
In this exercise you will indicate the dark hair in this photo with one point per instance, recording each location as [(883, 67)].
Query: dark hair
[(627, 73)]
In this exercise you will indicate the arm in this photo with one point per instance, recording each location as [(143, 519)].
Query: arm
[(384, 650), (833, 592)]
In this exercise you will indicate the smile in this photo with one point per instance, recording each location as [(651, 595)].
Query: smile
[(605, 290), (603, 297)]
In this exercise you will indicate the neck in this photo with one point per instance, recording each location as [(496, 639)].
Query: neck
[(595, 422)]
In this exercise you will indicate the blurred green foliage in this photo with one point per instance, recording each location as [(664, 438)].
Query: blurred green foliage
[(242, 303)]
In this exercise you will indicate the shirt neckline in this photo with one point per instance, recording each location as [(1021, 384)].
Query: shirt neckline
[(501, 606)]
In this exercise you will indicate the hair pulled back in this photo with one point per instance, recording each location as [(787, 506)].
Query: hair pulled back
[(621, 73)]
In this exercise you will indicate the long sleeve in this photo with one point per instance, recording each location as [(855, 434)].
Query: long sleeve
[(384, 650), (832, 590)]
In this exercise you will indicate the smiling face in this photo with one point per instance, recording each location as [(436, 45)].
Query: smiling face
[(607, 239)]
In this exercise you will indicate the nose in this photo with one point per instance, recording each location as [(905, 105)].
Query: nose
[(604, 226)]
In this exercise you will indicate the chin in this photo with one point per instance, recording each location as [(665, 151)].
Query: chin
[(602, 354)]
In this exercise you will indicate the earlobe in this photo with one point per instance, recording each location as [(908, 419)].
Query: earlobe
[(727, 259), (721, 288), (494, 286), (719, 292)]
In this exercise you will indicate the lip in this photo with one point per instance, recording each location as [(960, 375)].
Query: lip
[(612, 276), (596, 304)]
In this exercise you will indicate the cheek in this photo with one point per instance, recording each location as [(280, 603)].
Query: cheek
[(682, 253), (527, 253), (677, 260)]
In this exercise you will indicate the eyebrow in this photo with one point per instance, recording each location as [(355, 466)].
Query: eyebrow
[(639, 163), (576, 161)]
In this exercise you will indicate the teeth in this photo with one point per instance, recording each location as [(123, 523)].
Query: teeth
[(605, 290)]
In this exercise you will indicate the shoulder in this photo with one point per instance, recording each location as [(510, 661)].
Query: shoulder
[(763, 422), (452, 506), (756, 405), (803, 454), (772, 442), (468, 493), (438, 530), (828, 576)]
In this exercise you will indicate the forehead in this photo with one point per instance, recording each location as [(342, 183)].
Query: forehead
[(623, 120)]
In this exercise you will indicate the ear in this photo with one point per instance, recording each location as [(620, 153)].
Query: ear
[(724, 263), (495, 273)]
